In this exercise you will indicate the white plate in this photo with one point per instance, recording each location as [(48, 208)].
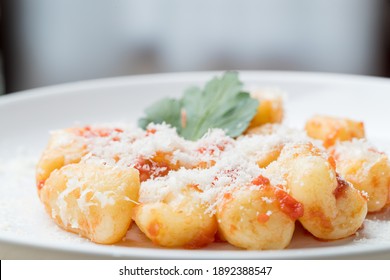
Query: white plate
[(26, 118)]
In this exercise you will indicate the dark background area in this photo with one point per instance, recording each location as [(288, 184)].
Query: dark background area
[(45, 42)]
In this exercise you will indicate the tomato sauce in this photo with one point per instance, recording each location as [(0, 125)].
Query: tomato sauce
[(89, 132), (289, 205), (262, 218), (260, 181), (150, 169), (341, 188), (40, 184)]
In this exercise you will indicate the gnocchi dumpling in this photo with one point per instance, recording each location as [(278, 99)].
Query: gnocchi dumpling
[(332, 129), (93, 200), (270, 108), (258, 217), (333, 208), (64, 147), (169, 224), (366, 168)]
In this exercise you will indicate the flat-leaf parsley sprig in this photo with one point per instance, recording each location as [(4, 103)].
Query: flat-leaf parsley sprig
[(220, 104)]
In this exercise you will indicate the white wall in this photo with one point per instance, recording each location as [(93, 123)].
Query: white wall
[(66, 40)]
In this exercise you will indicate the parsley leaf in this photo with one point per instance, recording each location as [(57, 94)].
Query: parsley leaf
[(221, 104), (167, 110)]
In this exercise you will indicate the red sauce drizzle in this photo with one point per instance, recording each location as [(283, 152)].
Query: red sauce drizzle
[(40, 184), (289, 205), (332, 162), (262, 218), (148, 168), (342, 186), (210, 150), (88, 132), (150, 131), (227, 196), (260, 181)]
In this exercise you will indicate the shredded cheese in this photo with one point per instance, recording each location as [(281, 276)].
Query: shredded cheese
[(215, 165), (358, 150)]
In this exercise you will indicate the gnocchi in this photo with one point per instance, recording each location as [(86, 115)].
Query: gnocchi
[(64, 147), (270, 108), (92, 200), (258, 218), (99, 181), (332, 129), (366, 168), (334, 209), (185, 225)]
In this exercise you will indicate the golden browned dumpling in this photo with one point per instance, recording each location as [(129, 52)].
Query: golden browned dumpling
[(270, 108), (258, 217), (169, 224), (331, 129), (93, 200), (366, 168), (64, 147), (333, 208)]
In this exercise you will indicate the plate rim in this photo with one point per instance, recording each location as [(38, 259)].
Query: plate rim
[(62, 88), (125, 252), (175, 77)]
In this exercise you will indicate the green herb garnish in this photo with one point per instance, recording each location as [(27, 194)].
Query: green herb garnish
[(221, 104)]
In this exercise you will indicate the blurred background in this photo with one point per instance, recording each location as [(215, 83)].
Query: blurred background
[(45, 42)]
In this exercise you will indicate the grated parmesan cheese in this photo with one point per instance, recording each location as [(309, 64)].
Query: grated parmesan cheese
[(358, 150)]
